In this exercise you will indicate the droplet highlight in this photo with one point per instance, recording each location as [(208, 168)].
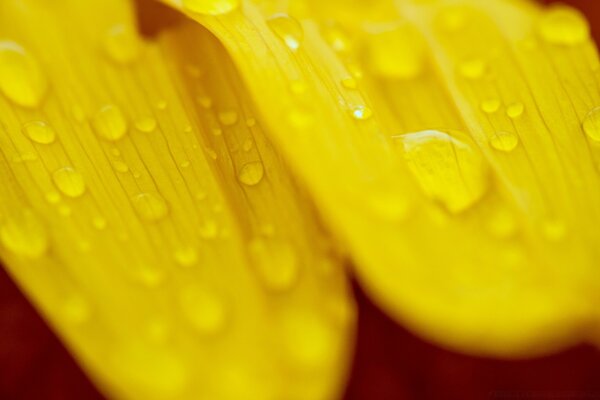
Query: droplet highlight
[(288, 29)]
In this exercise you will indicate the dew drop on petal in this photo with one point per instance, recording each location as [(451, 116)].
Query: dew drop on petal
[(186, 256), (448, 168), (150, 207), (591, 124), (69, 181), (473, 68), (308, 340), (23, 234), (145, 124), (203, 308), (288, 29), (563, 25), (110, 123), (490, 106), (504, 141), (228, 118), (39, 132), (211, 7), (21, 77), (275, 262), (122, 44), (251, 173), (515, 110), (349, 83)]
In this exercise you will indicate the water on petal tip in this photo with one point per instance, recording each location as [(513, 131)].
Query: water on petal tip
[(23, 234), (563, 25), (591, 124), (504, 141), (204, 309), (39, 132), (288, 29), (251, 173), (69, 181), (449, 168), (150, 207), (110, 123), (122, 44), (21, 77), (211, 7)]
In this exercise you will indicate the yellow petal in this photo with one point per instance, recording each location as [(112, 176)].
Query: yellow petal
[(443, 143), (161, 236)]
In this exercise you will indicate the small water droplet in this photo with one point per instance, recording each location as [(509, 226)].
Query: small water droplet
[(75, 309), (276, 263), (591, 124), (150, 207), (204, 309), (251, 173), (186, 256), (502, 223), (208, 230), (349, 83), (473, 68), (39, 132), (99, 223), (396, 52), (563, 25), (217, 131), (122, 44), (250, 122), (247, 145), (120, 166), (23, 234), (185, 164), (150, 277), (205, 102), (228, 118), (298, 86), (161, 104), (110, 123), (504, 141), (448, 168), (21, 76), (308, 340), (452, 19), (490, 106), (288, 29), (52, 197), (211, 7), (554, 230), (145, 124), (361, 113), (515, 110), (69, 181)]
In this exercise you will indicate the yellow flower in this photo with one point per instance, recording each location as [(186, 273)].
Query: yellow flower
[(181, 205)]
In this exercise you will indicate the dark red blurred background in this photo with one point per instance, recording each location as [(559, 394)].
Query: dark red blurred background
[(390, 363)]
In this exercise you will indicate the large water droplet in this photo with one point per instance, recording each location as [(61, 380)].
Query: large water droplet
[(396, 52), (504, 141), (23, 234), (448, 168), (110, 123), (39, 132), (251, 173), (287, 29), (21, 76), (69, 181), (211, 7), (122, 44), (591, 124), (150, 207), (203, 308), (276, 263), (562, 25)]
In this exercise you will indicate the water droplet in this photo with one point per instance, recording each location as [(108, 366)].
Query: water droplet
[(251, 173), (504, 141), (122, 44), (23, 234), (185, 164), (99, 223), (473, 68), (298, 87), (205, 102), (150, 207), (490, 106), (203, 308), (562, 25), (211, 7), (250, 122), (287, 29), (161, 104), (217, 131), (361, 113), (120, 166), (515, 110), (150, 277), (448, 168), (247, 145), (75, 309), (276, 263), (186, 256), (52, 197), (145, 124), (554, 230), (69, 181), (228, 118), (388, 204), (396, 52), (109, 123), (39, 132), (337, 39), (21, 76), (591, 124), (502, 223), (349, 83), (308, 341), (452, 19), (208, 230)]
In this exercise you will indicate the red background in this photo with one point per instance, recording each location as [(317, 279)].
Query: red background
[(390, 363)]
